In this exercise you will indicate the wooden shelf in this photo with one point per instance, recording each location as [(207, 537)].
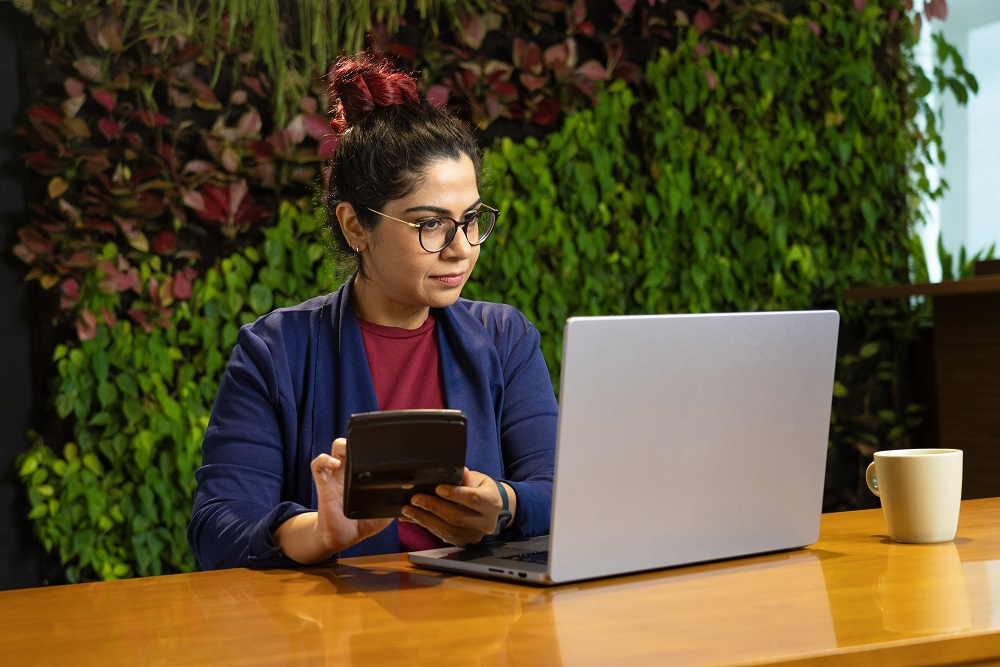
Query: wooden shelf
[(978, 285)]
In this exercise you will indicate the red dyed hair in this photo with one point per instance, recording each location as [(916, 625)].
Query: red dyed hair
[(359, 85)]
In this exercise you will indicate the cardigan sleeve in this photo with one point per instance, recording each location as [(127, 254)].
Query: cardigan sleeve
[(238, 502), (528, 424)]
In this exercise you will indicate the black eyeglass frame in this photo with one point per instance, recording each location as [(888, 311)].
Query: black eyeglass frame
[(449, 236)]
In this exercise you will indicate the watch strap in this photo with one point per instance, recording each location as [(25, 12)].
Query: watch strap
[(503, 519)]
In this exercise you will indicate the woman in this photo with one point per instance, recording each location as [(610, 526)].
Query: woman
[(396, 335)]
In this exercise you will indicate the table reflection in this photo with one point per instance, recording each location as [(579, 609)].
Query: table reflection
[(378, 615), (900, 591), (923, 590)]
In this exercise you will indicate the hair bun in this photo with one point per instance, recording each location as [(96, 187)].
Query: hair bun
[(363, 83)]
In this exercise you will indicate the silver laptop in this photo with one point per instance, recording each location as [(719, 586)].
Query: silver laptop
[(681, 439)]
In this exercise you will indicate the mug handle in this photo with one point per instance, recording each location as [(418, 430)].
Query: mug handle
[(871, 479)]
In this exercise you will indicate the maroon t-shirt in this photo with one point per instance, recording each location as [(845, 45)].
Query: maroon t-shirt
[(404, 368)]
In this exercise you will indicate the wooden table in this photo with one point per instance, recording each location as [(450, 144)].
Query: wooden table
[(966, 348), (853, 598)]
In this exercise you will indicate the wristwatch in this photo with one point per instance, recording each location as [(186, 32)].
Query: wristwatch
[(505, 516)]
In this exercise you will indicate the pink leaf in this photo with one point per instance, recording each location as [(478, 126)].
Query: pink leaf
[(237, 193), (437, 95), (45, 114), (249, 124), (90, 68), (105, 98), (183, 281), (531, 81), (859, 5), (711, 78), (531, 59), (198, 167), (70, 289), (626, 6), (546, 112), (150, 119), (704, 21), (33, 239), (518, 51), (472, 30), (506, 90), (936, 9), (493, 106), (73, 87), (556, 56), (109, 128), (262, 150), (195, 200), (86, 325), (230, 159), (204, 97), (296, 129), (317, 126), (164, 242), (256, 85), (592, 70)]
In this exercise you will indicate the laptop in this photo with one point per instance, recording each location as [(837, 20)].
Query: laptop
[(681, 439)]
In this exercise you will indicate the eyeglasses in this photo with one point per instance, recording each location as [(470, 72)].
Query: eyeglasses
[(437, 233)]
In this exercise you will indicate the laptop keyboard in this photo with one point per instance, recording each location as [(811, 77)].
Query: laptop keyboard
[(540, 557)]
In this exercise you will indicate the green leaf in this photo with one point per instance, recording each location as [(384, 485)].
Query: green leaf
[(29, 466), (261, 298), (869, 350)]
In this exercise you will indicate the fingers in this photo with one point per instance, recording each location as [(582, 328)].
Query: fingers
[(330, 463), (325, 464), (456, 534), (459, 514), (339, 448), (478, 493)]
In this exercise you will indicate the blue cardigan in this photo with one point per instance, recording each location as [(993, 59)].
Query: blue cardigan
[(297, 374)]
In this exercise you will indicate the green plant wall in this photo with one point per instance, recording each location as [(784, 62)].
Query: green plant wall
[(115, 502), (771, 178)]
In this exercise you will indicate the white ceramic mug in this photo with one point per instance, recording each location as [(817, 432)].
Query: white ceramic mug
[(921, 492)]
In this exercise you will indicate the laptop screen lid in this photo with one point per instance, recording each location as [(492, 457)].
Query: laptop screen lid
[(681, 439), (688, 438)]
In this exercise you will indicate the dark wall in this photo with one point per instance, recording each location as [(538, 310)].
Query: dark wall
[(20, 557)]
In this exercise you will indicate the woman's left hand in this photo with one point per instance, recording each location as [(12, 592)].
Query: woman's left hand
[(460, 515)]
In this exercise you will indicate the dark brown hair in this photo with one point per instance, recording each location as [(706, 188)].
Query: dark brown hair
[(388, 134)]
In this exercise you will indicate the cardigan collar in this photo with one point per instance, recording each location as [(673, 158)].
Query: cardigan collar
[(468, 358)]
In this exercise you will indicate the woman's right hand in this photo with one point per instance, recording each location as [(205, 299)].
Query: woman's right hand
[(314, 537), (332, 526)]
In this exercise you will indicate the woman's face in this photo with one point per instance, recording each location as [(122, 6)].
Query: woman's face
[(403, 281)]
